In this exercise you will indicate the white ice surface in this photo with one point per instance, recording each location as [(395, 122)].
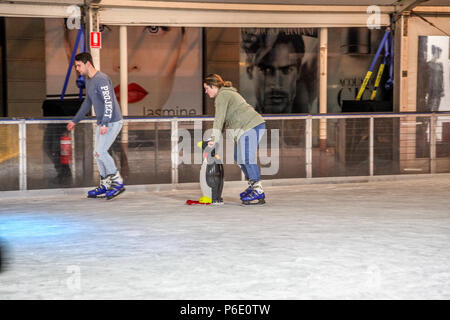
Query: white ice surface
[(377, 240)]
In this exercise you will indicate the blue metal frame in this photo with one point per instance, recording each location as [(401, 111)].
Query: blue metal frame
[(387, 45), (80, 81)]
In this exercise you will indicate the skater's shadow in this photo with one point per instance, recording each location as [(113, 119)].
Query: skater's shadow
[(3, 256)]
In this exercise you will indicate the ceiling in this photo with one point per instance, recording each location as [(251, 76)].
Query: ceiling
[(320, 2), (230, 12), (266, 2)]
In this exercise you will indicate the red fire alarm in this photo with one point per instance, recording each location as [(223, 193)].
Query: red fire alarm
[(96, 40)]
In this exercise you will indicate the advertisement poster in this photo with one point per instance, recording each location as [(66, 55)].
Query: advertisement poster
[(433, 74), (350, 54), (164, 66), (279, 69), (433, 85)]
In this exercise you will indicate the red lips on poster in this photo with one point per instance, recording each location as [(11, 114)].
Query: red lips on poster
[(135, 92)]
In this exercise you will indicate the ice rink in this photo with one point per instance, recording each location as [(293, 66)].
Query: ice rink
[(387, 239)]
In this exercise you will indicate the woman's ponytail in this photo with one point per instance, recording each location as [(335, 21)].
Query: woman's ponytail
[(216, 80)]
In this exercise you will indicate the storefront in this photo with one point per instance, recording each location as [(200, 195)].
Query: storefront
[(286, 58)]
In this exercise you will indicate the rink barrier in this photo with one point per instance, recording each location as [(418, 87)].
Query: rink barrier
[(237, 185), (174, 124)]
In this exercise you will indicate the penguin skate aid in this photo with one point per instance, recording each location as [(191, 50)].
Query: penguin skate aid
[(233, 112), (100, 94), (211, 176)]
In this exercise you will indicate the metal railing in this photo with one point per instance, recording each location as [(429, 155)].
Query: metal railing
[(405, 131)]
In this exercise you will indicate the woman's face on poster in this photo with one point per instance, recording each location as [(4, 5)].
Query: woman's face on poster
[(153, 54)]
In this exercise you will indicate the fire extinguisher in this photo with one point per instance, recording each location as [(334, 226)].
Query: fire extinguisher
[(66, 149)]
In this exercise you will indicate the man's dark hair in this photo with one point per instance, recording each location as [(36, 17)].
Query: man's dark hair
[(255, 43), (295, 39), (84, 57)]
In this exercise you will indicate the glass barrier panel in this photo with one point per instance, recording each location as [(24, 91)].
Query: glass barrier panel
[(145, 157), (282, 149), (386, 146), (44, 168), (443, 144), (414, 145), (340, 147), (9, 157)]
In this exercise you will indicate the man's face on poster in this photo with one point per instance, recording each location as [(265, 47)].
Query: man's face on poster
[(276, 78)]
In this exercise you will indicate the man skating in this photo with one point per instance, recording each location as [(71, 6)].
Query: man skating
[(100, 94)]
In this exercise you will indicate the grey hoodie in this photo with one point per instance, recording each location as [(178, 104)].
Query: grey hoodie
[(100, 93)]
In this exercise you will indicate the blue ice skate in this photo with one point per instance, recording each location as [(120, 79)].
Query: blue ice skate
[(246, 191), (117, 186), (255, 197), (100, 191)]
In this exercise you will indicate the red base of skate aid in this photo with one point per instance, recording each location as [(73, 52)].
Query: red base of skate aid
[(191, 202)]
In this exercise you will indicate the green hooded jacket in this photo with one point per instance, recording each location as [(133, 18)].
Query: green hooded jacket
[(233, 112)]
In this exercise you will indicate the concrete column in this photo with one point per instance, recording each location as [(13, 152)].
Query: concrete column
[(408, 125), (123, 70), (371, 146), (433, 121), (92, 25), (174, 150), (22, 155), (308, 147), (403, 94), (124, 89), (323, 86)]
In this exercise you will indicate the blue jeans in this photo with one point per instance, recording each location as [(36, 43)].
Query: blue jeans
[(103, 142), (245, 152)]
